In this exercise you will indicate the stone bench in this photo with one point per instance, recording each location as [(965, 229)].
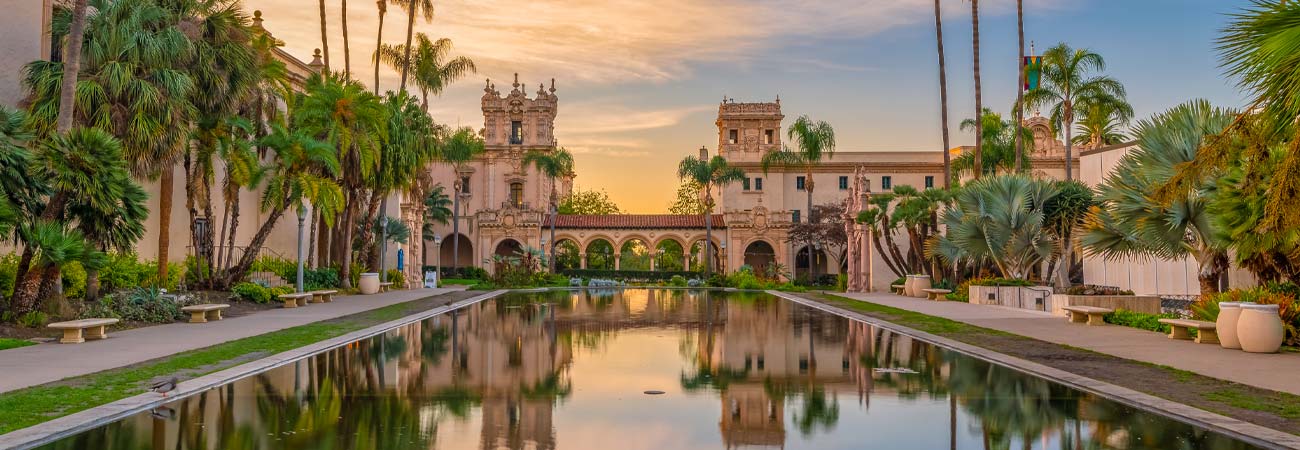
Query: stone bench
[(296, 299), (323, 296), (94, 328), (934, 294), (898, 288), (1181, 329), (385, 286), (1091, 315), (205, 312)]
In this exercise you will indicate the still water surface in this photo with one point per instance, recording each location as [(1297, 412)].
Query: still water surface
[(571, 370)]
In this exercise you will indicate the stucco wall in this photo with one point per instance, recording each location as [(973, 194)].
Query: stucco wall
[(24, 24)]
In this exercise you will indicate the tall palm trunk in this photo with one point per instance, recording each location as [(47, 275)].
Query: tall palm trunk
[(71, 66), (554, 215), (455, 228), (812, 265), (1067, 116), (708, 233), (349, 222), (164, 221), (410, 31), (1020, 86), (379, 41), (943, 95), (324, 36), (979, 105), (347, 54)]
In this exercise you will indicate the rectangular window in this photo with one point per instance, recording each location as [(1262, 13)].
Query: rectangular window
[(929, 181), (794, 216), (886, 182), (768, 136), (798, 183), (464, 185), (844, 183), (744, 184), (733, 136), (758, 183), (517, 194), (516, 132)]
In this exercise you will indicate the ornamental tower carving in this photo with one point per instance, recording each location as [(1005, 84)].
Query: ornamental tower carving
[(748, 130)]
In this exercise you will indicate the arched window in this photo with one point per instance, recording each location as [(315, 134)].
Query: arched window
[(517, 194)]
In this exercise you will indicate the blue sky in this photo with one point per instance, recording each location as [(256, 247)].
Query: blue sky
[(639, 81)]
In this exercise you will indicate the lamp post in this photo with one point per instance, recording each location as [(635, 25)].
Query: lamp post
[(437, 265), (302, 220)]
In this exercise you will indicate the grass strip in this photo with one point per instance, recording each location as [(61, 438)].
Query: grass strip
[(8, 343), (914, 320), (29, 406)]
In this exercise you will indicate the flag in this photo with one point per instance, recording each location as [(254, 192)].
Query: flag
[(1033, 66)]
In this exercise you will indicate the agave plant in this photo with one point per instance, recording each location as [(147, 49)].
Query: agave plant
[(998, 220)]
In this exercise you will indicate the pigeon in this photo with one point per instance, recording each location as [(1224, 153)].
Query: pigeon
[(164, 386), (163, 413)]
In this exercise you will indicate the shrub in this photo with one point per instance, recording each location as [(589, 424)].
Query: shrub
[(464, 273), (281, 267), (1000, 282), (74, 280), (33, 319), (8, 272), (123, 271), (1139, 320), (646, 275), (320, 278), (397, 277), (196, 270), (677, 280), (1088, 289), (252, 292), (148, 305), (175, 273)]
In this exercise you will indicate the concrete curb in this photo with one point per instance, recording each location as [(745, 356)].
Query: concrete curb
[(1244, 431), (53, 430)]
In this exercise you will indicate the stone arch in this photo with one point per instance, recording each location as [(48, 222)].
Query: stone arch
[(634, 254), (508, 247), (696, 251), (600, 254), (584, 243), (669, 255), (447, 256), (567, 253), (645, 241), (801, 263), (760, 254)]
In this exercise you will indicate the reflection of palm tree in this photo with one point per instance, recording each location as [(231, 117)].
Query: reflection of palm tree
[(817, 410)]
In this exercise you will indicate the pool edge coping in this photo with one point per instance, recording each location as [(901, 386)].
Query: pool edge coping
[(72, 424), (1247, 432)]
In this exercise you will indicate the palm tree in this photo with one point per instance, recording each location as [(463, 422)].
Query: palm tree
[(943, 94), (117, 229), (425, 9), (437, 210), (463, 146), (1066, 84), (324, 36), (71, 66), (1020, 86), (997, 220), (404, 156), (999, 138), (347, 53), (341, 112), (430, 68), (1101, 124), (135, 85), (979, 105), (1134, 223), (710, 174), (382, 6), (553, 165), (816, 139)]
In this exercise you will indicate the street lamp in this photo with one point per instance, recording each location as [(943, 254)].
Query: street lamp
[(437, 265)]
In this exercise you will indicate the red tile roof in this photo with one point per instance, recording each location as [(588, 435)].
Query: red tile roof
[(633, 221)]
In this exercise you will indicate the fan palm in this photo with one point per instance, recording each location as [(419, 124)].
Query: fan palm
[(432, 69), (134, 84), (405, 154), (1067, 83), (715, 173), (423, 8), (815, 139), (458, 149), (437, 210), (553, 165), (999, 155), (1136, 224), (118, 229), (1101, 125), (998, 220)]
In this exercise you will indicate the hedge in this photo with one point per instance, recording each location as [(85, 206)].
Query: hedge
[(651, 275)]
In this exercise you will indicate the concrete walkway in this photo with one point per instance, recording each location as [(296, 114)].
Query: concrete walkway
[(1269, 371), (44, 363)]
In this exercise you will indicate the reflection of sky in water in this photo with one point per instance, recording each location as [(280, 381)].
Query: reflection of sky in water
[(568, 370)]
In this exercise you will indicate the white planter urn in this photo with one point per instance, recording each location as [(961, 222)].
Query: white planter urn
[(909, 286), (1226, 325), (922, 283), (369, 283), (1259, 329)]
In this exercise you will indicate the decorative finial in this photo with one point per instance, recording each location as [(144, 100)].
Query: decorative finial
[(257, 19), (778, 99), (552, 85), (316, 64), (541, 89), (516, 85)]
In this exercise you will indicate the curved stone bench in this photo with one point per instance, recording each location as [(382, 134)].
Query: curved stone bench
[(295, 300), (1206, 332), (934, 294), (323, 296), (72, 329), (1088, 314), (898, 288), (205, 312)]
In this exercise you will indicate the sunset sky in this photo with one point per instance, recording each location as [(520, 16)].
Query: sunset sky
[(639, 81)]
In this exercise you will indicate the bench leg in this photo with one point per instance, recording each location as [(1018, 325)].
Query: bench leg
[(198, 317), (329, 298), (1176, 332), (72, 336), (96, 333), (1207, 337), (1096, 319), (213, 315), (1078, 317), (290, 303)]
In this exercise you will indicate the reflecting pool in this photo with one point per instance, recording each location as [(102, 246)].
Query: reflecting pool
[(576, 370)]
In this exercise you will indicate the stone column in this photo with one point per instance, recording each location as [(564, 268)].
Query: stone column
[(686, 260), (617, 259), (653, 257), (582, 260)]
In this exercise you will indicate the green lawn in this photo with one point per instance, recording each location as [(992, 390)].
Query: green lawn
[(8, 343), (460, 281), (30, 406)]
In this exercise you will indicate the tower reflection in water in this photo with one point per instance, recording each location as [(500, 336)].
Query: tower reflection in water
[(568, 370)]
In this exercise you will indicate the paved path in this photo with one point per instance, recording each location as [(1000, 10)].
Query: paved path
[(1269, 371), (44, 363)]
